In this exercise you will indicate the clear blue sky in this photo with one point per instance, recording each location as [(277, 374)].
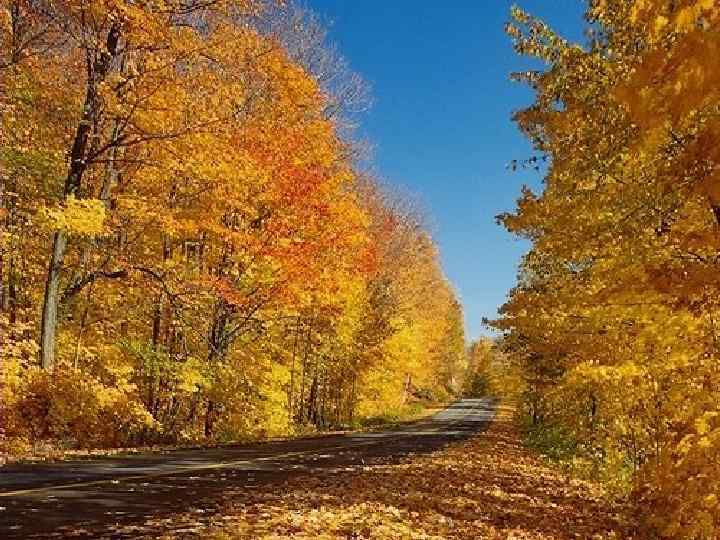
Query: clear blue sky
[(441, 121)]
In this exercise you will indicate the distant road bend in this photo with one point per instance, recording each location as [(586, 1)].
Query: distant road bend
[(100, 495)]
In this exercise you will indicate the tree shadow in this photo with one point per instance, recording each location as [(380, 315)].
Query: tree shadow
[(99, 507)]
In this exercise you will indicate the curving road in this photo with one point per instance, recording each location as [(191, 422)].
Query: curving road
[(91, 498)]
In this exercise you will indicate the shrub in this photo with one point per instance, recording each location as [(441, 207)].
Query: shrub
[(73, 408)]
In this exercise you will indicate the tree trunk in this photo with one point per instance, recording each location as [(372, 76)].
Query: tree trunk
[(156, 322), (78, 166), (291, 390), (406, 388), (48, 326), (209, 419), (12, 292), (3, 225)]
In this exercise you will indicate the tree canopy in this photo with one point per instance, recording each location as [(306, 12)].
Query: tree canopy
[(188, 249), (614, 315)]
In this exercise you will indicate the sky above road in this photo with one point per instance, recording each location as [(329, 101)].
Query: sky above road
[(441, 125)]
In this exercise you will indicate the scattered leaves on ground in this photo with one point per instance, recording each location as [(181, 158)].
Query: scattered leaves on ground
[(487, 487)]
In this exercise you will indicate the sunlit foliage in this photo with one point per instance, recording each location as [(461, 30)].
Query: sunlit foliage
[(614, 315), (186, 249)]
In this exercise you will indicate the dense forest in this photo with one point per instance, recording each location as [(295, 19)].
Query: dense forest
[(614, 320), (191, 248)]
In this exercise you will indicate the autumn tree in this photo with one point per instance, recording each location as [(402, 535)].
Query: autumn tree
[(613, 315), (219, 268)]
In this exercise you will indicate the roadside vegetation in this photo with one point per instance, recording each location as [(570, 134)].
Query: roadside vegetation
[(189, 251), (613, 322)]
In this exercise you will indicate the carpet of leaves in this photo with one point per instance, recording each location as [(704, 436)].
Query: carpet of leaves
[(487, 487)]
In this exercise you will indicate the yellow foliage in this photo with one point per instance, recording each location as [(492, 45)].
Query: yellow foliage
[(225, 271), (78, 216), (70, 406), (613, 320)]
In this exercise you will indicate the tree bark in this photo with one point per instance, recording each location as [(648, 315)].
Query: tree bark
[(51, 301), (3, 225), (98, 70)]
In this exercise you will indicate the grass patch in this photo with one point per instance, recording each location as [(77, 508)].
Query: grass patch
[(550, 439), (410, 412), (608, 468)]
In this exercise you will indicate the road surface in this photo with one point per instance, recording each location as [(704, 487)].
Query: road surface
[(94, 498)]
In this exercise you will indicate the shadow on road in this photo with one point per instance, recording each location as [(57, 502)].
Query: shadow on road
[(107, 497)]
